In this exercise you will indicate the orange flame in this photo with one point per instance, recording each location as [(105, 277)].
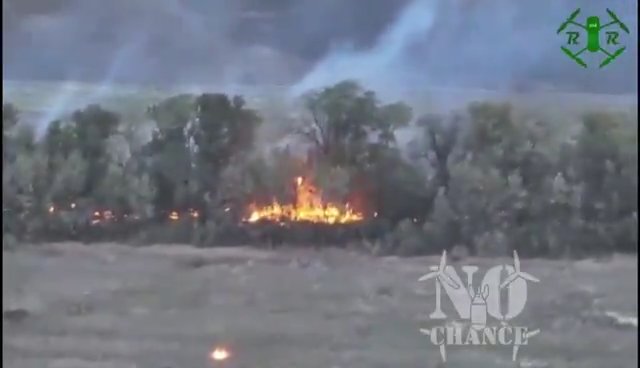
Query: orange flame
[(309, 207)]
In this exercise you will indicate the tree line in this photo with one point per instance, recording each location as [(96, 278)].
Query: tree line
[(488, 179)]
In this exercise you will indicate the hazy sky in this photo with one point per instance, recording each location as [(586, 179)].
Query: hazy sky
[(421, 43)]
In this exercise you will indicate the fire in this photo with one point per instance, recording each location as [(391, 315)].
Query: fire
[(109, 215), (309, 207), (219, 354)]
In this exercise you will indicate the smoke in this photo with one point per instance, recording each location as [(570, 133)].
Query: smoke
[(212, 42), (389, 45), (466, 45), (134, 42), (384, 62)]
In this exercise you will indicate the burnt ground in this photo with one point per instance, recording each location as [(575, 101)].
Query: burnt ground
[(107, 305)]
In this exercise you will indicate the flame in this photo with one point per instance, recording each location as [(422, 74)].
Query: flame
[(219, 354), (106, 215), (309, 207), (194, 213), (174, 216)]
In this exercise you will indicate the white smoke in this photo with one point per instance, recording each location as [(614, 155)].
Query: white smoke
[(384, 59)]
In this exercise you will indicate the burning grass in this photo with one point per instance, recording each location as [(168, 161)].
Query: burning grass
[(309, 207), (310, 218)]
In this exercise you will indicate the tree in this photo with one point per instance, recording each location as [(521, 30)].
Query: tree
[(92, 127), (173, 112), (9, 122), (196, 140), (169, 164), (24, 185), (441, 137), (223, 128), (9, 117), (345, 120)]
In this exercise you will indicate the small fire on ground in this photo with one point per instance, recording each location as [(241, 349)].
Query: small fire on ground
[(106, 216), (219, 354), (308, 207)]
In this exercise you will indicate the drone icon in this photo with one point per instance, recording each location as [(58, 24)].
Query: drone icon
[(593, 28)]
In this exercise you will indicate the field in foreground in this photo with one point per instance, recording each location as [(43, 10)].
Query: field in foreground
[(107, 305)]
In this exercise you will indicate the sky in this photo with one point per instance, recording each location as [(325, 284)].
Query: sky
[(494, 44)]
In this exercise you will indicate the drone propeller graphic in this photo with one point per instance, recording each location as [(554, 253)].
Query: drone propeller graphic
[(574, 57), (612, 57), (440, 273), (442, 347), (516, 346), (617, 20), (569, 20), (517, 274)]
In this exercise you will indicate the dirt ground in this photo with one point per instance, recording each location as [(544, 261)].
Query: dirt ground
[(108, 305)]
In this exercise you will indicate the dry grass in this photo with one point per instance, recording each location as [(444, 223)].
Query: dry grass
[(108, 305)]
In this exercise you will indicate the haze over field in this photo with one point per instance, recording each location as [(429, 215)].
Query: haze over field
[(496, 44)]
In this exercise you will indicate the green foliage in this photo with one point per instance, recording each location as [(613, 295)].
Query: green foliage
[(60, 139), (270, 177), (91, 128), (489, 179), (197, 138), (23, 191), (343, 119), (10, 119), (395, 189), (68, 177), (168, 160), (223, 128)]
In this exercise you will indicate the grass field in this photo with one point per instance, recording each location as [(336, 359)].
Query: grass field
[(108, 305)]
